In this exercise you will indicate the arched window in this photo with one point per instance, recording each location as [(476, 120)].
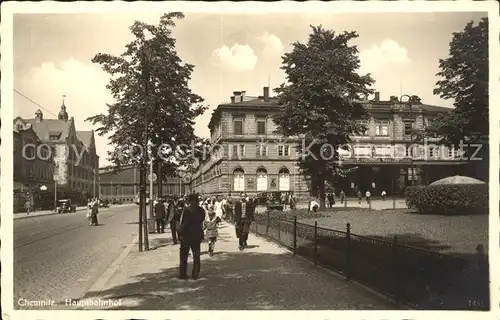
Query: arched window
[(238, 180), (284, 180), (261, 179)]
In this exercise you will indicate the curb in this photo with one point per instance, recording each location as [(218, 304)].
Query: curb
[(101, 282), (24, 216)]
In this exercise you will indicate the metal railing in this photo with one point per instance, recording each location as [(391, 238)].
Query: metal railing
[(418, 278)]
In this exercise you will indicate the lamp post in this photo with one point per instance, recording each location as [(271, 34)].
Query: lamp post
[(410, 100)]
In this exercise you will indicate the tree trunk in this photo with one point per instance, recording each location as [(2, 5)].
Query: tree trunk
[(322, 194), (159, 182)]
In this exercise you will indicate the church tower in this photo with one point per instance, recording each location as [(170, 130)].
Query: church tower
[(63, 115)]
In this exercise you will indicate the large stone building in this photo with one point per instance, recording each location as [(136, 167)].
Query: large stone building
[(33, 170), (124, 184), (249, 157), (75, 157)]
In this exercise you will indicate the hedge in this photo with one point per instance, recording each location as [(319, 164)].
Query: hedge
[(453, 199)]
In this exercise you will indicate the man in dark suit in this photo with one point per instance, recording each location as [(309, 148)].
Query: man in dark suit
[(243, 217), (191, 236), (160, 216)]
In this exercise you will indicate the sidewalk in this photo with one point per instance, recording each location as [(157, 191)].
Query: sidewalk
[(23, 215), (263, 277)]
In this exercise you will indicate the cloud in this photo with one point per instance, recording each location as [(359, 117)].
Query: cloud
[(237, 58), (273, 45), (84, 86), (388, 53)]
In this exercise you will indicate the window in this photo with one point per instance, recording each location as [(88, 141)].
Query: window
[(283, 151), (238, 180), (409, 124), (238, 126), (382, 127), (241, 150), (451, 153), (284, 180), (260, 150), (261, 126), (431, 151), (364, 123), (262, 180)]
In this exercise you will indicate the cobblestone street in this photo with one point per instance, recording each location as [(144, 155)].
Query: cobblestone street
[(263, 277), (60, 256)]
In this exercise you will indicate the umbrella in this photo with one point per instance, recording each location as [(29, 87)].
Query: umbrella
[(457, 180)]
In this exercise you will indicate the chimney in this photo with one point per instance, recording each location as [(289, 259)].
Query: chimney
[(266, 94), (377, 96), (38, 116), (237, 96), (232, 99), (243, 93)]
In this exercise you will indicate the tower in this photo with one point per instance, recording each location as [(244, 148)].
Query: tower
[(63, 115)]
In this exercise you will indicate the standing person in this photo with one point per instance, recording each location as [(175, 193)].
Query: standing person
[(342, 196), (283, 201), (368, 195), (211, 225), (191, 235), (331, 198), (218, 207), (224, 207), (160, 216), (359, 196), (291, 200), (89, 211), (171, 218), (27, 206), (94, 212), (243, 217), (230, 208), (383, 195)]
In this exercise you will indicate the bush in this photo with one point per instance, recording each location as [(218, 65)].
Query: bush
[(452, 199)]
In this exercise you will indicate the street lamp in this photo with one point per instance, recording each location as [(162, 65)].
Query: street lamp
[(411, 99)]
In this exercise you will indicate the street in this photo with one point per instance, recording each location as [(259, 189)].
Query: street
[(58, 257)]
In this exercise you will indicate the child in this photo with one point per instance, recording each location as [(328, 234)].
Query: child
[(211, 232), (383, 195)]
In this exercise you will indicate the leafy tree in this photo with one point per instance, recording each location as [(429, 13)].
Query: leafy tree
[(464, 78), (321, 101), (149, 83)]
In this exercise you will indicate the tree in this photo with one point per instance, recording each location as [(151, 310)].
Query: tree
[(321, 101), (464, 76), (149, 83)]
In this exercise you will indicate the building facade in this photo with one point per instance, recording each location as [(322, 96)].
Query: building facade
[(33, 170), (249, 157), (75, 158), (124, 185)]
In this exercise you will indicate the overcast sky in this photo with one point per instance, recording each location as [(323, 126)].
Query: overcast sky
[(52, 54)]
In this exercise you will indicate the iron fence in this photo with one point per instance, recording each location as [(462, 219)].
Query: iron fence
[(413, 276)]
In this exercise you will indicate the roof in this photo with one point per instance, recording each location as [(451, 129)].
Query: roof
[(47, 127), (85, 137)]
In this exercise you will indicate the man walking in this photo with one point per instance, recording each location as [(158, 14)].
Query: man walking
[(243, 217), (172, 219), (160, 215), (191, 235)]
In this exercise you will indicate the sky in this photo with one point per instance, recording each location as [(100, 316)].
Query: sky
[(231, 52)]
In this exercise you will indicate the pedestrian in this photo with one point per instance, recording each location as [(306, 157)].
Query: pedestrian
[(218, 207), (331, 198), (160, 216), (211, 225), (94, 212), (89, 211), (191, 235), (243, 217), (291, 201), (368, 195), (172, 219), (359, 196), (224, 207), (27, 206), (342, 196), (383, 195)]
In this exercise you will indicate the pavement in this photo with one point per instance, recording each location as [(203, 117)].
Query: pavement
[(59, 256), (23, 215), (263, 277)]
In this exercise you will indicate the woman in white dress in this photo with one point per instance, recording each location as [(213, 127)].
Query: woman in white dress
[(218, 207)]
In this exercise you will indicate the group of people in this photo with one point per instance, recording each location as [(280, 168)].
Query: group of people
[(193, 218)]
